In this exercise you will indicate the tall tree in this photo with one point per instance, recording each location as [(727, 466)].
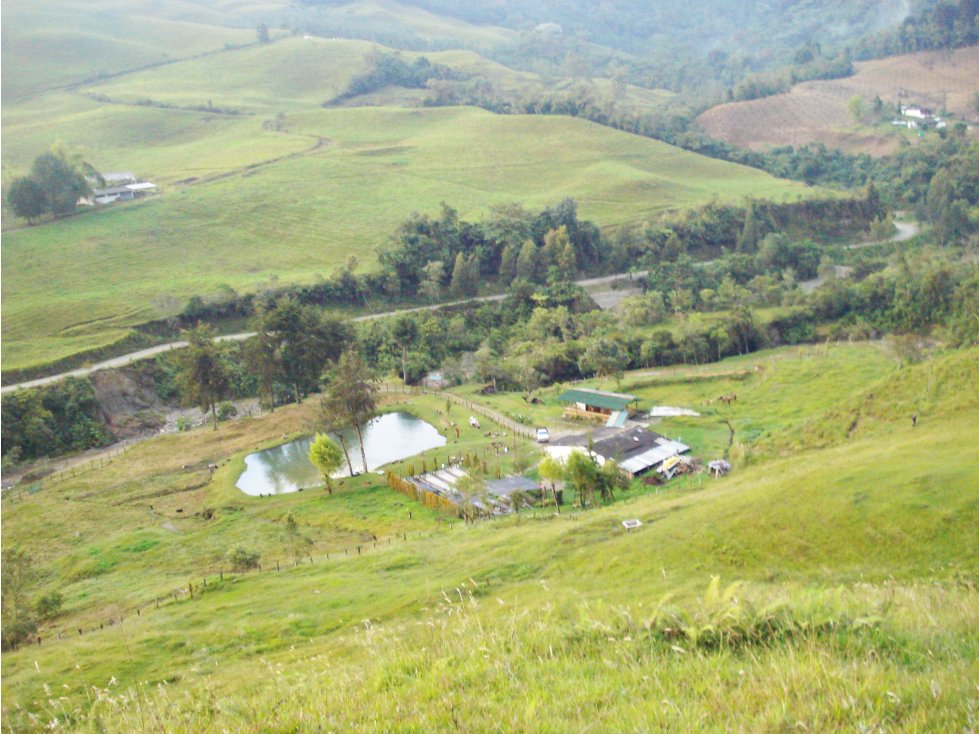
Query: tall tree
[(463, 281), (352, 394), (750, 231), (27, 198), (583, 476), (296, 342), (263, 359), (62, 173), (204, 376), (527, 261), (431, 285), (508, 264), (325, 455), (552, 471), (405, 334)]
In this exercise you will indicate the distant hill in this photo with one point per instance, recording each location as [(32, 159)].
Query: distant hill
[(816, 112)]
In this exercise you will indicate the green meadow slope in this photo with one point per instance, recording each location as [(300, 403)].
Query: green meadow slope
[(303, 72), (855, 607), (307, 214), (51, 43)]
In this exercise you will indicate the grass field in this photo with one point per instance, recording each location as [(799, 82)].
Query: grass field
[(294, 73), (163, 146), (291, 220), (862, 553), (817, 111), (50, 43), (303, 72)]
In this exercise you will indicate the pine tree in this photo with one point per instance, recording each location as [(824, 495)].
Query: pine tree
[(750, 233), (527, 261), (458, 285), (508, 264)]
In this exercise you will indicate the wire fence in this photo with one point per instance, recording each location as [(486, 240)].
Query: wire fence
[(508, 423), (81, 468), (215, 578)]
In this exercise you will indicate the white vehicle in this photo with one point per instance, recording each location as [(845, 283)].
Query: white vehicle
[(543, 436)]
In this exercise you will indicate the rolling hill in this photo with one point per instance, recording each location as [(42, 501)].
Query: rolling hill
[(305, 215), (816, 112), (52, 43)]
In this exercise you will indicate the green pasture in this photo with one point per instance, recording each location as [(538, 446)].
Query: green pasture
[(159, 145), (510, 620), (306, 215), (52, 43), (294, 73), (298, 73)]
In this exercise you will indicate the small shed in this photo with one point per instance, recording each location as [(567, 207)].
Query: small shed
[(597, 404), (435, 381)]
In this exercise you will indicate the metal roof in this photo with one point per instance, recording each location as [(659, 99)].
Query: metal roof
[(597, 398), (653, 456)]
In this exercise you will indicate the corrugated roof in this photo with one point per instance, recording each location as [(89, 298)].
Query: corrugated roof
[(654, 456), (597, 398)]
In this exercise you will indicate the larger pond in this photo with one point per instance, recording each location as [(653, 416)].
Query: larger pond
[(287, 468)]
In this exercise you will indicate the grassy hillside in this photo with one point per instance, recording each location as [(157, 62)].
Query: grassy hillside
[(51, 43), (303, 72), (282, 76), (855, 609), (306, 215), (816, 112), (164, 146)]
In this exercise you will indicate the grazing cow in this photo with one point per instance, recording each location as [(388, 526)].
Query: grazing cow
[(473, 422)]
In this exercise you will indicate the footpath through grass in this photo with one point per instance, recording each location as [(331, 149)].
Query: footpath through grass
[(857, 608)]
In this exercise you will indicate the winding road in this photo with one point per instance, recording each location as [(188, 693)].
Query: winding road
[(905, 231)]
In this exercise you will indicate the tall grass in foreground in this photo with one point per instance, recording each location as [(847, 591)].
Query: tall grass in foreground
[(481, 663)]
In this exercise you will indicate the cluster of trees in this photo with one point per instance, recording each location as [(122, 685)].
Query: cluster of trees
[(511, 243), (390, 70), (944, 24), (539, 335), (582, 474), (63, 417), (58, 179), (769, 83)]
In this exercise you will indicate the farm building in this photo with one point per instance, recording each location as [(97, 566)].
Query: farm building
[(612, 407), (119, 186), (636, 450), (500, 497)]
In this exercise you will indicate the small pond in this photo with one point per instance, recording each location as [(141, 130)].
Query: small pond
[(287, 468)]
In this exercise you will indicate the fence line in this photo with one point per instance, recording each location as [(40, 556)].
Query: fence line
[(98, 462), (195, 588), (508, 423)]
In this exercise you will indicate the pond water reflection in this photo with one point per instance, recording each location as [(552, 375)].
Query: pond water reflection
[(287, 468)]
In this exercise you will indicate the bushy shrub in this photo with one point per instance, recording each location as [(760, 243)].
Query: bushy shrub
[(243, 559)]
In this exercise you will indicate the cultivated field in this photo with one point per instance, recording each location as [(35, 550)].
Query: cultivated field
[(307, 214), (816, 112), (855, 557)]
